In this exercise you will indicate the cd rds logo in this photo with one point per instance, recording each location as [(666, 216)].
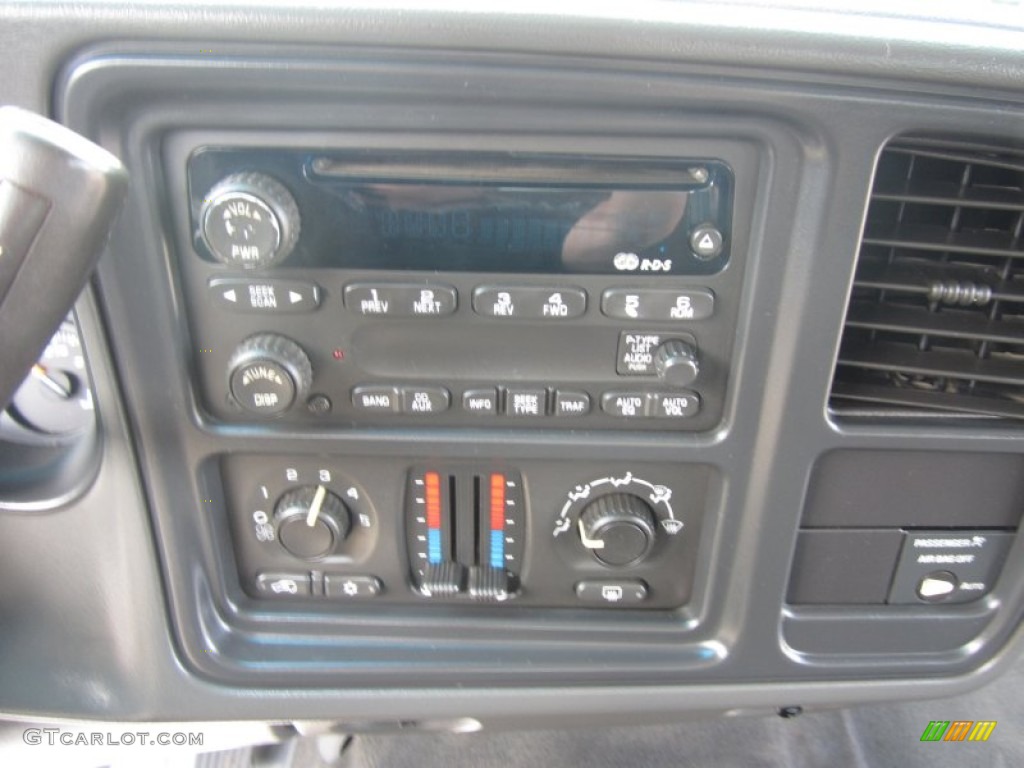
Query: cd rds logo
[(630, 262)]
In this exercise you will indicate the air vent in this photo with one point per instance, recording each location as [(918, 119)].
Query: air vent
[(936, 317)]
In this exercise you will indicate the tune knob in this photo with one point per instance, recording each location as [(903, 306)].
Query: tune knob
[(250, 220), (311, 522), (676, 362), (618, 529), (268, 373)]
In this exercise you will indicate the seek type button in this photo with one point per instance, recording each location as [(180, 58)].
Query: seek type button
[(425, 400), (526, 402)]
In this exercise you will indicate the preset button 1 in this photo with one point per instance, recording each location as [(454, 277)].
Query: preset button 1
[(400, 299)]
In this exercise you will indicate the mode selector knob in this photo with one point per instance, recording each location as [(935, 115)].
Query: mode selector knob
[(618, 529), (676, 362), (311, 522), (269, 373), (249, 220)]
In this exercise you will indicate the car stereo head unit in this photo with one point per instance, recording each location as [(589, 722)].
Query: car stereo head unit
[(350, 288), (480, 213)]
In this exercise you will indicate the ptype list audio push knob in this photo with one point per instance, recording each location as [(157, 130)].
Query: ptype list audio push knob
[(250, 220), (269, 373), (311, 522), (618, 529), (676, 363)]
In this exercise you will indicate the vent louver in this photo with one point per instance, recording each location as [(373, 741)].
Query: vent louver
[(936, 317)]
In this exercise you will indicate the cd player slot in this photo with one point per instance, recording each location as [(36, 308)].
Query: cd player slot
[(512, 169)]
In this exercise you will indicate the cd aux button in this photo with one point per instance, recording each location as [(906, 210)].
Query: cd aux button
[(529, 303), (400, 299), (658, 304), (425, 400)]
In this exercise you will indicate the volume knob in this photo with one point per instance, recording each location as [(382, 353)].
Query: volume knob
[(676, 363), (268, 373), (250, 220)]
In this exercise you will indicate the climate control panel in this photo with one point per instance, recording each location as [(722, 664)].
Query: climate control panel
[(556, 534)]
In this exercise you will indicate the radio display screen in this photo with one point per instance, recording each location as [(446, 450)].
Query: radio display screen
[(518, 214)]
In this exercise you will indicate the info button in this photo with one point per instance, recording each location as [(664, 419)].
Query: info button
[(483, 402)]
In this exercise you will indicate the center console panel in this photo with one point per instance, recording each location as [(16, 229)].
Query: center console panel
[(493, 390)]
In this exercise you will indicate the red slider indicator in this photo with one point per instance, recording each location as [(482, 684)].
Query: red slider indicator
[(433, 495), (497, 538)]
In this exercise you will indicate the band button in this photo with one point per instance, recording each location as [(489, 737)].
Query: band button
[(381, 399)]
